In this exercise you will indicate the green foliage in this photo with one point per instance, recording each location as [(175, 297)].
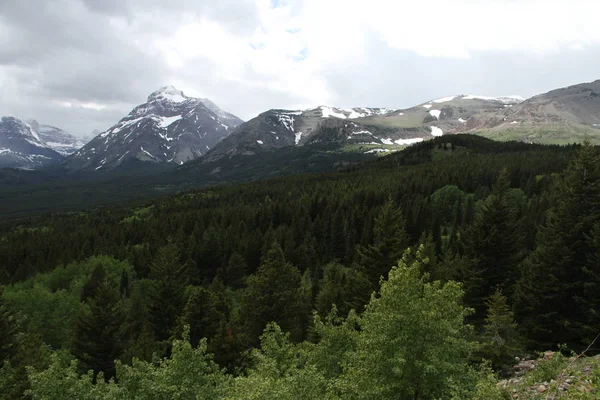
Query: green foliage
[(50, 302), (8, 329), (281, 370), (337, 234), (548, 368), (170, 276), (486, 387), (343, 287), (389, 242), (97, 341), (412, 341), (551, 296), (190, 373), (493, 243), (205, 316), (501, 341), (273, 295), (235, 272)]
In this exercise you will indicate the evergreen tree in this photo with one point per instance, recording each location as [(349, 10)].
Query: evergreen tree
[(273, 295), (201, 315), (389, 242), (234, 273), (170, 276), (333, 290), (550, 303), (493, 243), (591, 288), (501, 341), (97, 341)]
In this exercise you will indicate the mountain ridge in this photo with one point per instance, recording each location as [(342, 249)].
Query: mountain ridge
[(22, 147), (169, 127)]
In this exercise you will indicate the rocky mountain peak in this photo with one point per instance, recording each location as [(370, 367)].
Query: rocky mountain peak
[(169, 128), (168, 94), (22, 147)]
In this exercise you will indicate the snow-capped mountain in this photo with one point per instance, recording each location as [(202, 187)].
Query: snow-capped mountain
[(22, 147), (58, 139), (363, 128), (169, 128), (280, 128)]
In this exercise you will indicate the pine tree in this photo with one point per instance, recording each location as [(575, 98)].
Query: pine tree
[(591, 288), (234, 273), (390, 241), (170, 276), (341, 286), (273, 295), (551, 304), (97, 340), (501, 341), (493, 243), (201, 315)]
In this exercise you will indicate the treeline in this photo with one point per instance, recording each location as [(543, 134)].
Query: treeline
[(517, 225)]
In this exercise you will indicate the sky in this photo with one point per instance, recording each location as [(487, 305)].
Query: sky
[(83, 64)]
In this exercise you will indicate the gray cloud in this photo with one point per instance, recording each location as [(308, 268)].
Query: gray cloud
[(99, 52), (400, 79)]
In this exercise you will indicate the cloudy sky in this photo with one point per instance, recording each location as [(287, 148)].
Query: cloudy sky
[(83, 64)]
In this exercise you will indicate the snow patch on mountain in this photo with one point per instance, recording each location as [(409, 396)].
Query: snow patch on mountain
[(298, 137), (169, 93), (330, 112), (166, 121), (408, 141), (444, 99), (287, 121), (435, 131), (435, 113)]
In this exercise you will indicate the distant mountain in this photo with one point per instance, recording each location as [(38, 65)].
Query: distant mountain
[(22, 147), (560, 116), (58, 139), (275, 129), (376, 130), (169, 128)]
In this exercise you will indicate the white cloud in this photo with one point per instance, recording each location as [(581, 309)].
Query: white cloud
[(103, 58)]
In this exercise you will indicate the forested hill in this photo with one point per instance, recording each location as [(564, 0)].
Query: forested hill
[(517, 225)]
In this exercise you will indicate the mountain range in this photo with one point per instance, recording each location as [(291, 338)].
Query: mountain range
[(171, 128), (22, 146)]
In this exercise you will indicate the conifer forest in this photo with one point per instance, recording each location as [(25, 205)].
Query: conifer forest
[(424, 274)]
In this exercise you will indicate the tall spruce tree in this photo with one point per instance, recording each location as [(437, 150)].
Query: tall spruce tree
[(389, 242), (97, 341), (493, 243), (501, 340), (273, 295), (551, 305), (170, 276), (202, 315)]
